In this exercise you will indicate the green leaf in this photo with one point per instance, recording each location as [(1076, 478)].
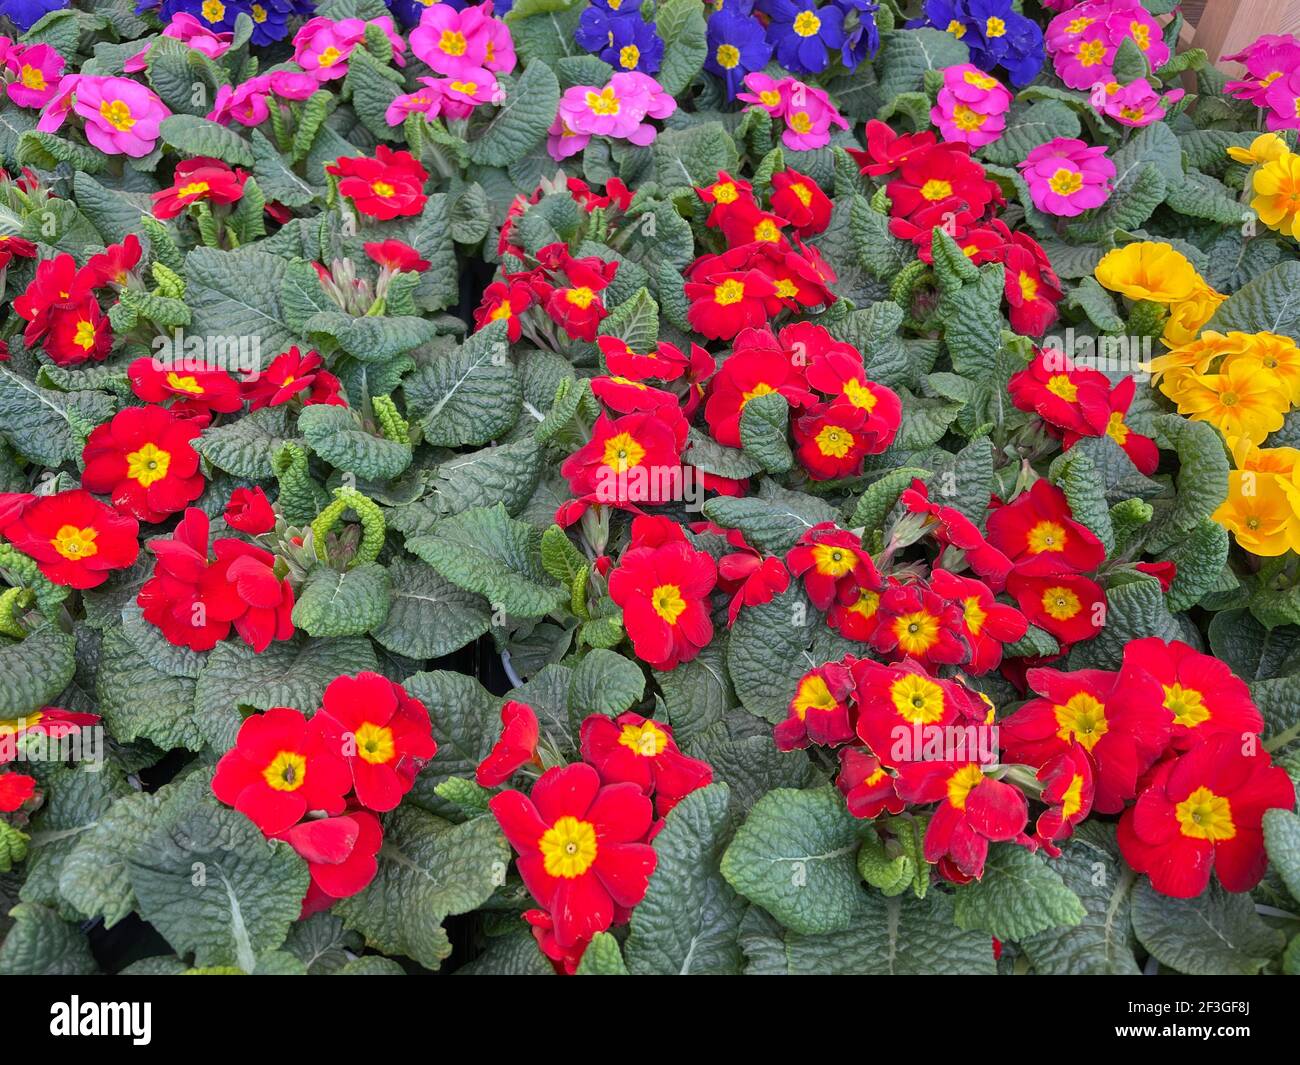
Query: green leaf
[(1270, 303), (139, 701), (687, 923), (343, 604), (1018, 895), (486, 551), (94, 878), (41, 944), (335, 434), (905, 57), (878, 500), (521, 121), (1282, 840), (693, 155), (236, 295), (1200, 559), (1215, 934), (244, 447), (794, 856), (773, 519), (214, 886), (635, 322), (605, 683), (46, 426), (764, 421), (430, 617), (34, 670), (1028, 126), (1076, 476), (469, 395), (429, 869), (681, 25), (466, 723), (192, 135)]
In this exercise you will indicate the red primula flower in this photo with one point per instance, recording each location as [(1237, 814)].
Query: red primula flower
[(75, 539), (630, 459), (11, 246), (394, 255), (665, 363), (986, 624), (249, 511), (1201, 812), (516, 748), (50, 721), (625, 396), (213, 390), (887, 150), (1069, 606), (197, 179), (894, 700), (856, 618), (867, 786), (1142, 450), (617, 194), (724, 196), (58, 282), (291, 374), (1068, 398), (758, 366), (114, 264), (1039, 523), (571, 296), (748, 223), (953, 529), (580, 847), (1123, 729), (1068, 791), (747, 576), (639, 751), (838, 373), (830, 442), (1031, 286), (833, 564), (799, 200), (1202, 693), (974, 810), (383, 733), (342, 856), (664, 592), (391, 185), (818, 711), (144, 461), (78, 332), (507, 300), (279, 768), (940, 180), (919, 624), (564, 960), (15, 789), (195, 601), (725, 302)]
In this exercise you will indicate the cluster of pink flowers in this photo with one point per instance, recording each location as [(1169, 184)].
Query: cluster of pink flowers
[(971, 107), (31, 72), (620, 109), (1066, 177), (1272, 80), (122, 117), (323, 45), (806, 110), (1135, 104), (468, 49), (249, 102), (189, 31), (1084, 40)]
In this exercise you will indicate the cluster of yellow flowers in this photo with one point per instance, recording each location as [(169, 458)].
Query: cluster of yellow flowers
[(1276, 182), (1244, 384), (1159, 273)]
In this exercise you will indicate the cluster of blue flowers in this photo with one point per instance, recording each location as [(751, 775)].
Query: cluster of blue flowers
[(804, 36), (996, 34), (26, 13), (270, 17), (615, 30)]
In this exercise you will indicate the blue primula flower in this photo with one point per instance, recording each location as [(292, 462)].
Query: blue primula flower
[(736, 45), (801, 33), (633, 45), (26, 13), (996, 34), (861, 36)]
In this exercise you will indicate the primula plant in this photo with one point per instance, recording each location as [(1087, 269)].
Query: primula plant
[(583, 488)]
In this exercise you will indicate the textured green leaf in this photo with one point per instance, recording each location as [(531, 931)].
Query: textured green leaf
[(336, 436), (605, 683), (343, 604), (34, 670), (41, 944), (1018, 895), (192, 135), (602, 957), (469, 395), (764, 422), (48, 427), (1282, 839), (522, 119), (430, 617), (139, 701), (1216, 934), (773, 519)]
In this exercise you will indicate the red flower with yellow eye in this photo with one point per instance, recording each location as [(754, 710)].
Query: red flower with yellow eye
[(144, 460), (50, 721), (867, 786), (279, 768), (986, 624), (625, 396), (799, 199), (893, 701), (1202, 812), (382, 732), (833, 564), (391, 185), (857, 618), (1069, 606), (941, 180), (1039, 522), (75, 539), (630, 459), (887, 150), (58, 284), (918, 624), (724, 302), (951, 528), (516, 748), (759, 365), (571, 296), (292, 374), (78, 332), (664, 592), (974, 810), (819, 710), (725, 195), (506, 300), (1030, 284), (580, 846), (831, 441), (199, 179), (1142, 450), (1066, 397), (1124, 729), (342, 856), (665, 363), (1202, 693), (836, 370), (1068, 790), (213, 390), (750, 224), (636, 750)]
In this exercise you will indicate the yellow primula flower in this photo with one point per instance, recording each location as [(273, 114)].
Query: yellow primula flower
[(1187, 317), (1260, 512), (1275, 352), (1277, 194), (1148, 270), (1243, 399), (1173, 371), (1263, 149)]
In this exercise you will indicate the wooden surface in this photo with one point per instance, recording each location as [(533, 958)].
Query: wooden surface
[(1224, 27)]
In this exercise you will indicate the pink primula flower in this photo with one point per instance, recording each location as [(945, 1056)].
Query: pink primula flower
[(971, 107), (1066, 177), (36, 72), (453, 43), (122, 116)]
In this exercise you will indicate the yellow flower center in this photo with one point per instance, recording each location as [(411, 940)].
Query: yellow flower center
[(1046, 536), (917, 699), (466, 88), (17, 725), (834, 441), (1065, 181), (1116, 429), (1072, 800), (1028, 286), (148, 465), (1079, 25), (770, 97), (668, 602), (213, 10), (375, 744), (382, 189), (1061, 604), (647, 740), (568, 847), (766, 232), (84, 337), (1062, 387), (1141, 33), (603, 102), (287, 771), (917, 632), (802, 193), (800, 122), (1204, 815), (580, 296), (622, 452), (1186, 704), (329, 56), (727, 56), (967, 118), (629, 56), (806, 24), (729, 292), (258, 12), (183, 384), (979, 79), (31, 77), (974, 614), (956, 28), (725, 192), (787, 289), (75, 544), (1092, 52), (452, 42), (866, 604), (859, 395), (831, 561), (117, 114), (813, 694), (935, 190), (962, 783), (995, 27), (1082, 718), (194, 188)]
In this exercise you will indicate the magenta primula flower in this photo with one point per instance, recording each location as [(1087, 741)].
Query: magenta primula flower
[(1270, 62), (806, 109), (971, 107), (454, 43), (459, 96), (245, 103), (189, 31), (122, 116), (36, 72), (1136, 104), (1084, 39), (323, 45), (620, 109), (1066, 177), (426, 101)]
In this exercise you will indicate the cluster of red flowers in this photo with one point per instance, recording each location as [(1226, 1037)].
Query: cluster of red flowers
[(1171, 739), (937, 184), (18, 789), (61, 305), (567, 289), (200, 178), (391, 185), (583, 832), (763, 270), (843, 417), (318, 783), (1075, 402)]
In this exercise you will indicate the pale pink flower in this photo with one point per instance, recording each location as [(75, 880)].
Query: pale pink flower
[(122, 116)]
